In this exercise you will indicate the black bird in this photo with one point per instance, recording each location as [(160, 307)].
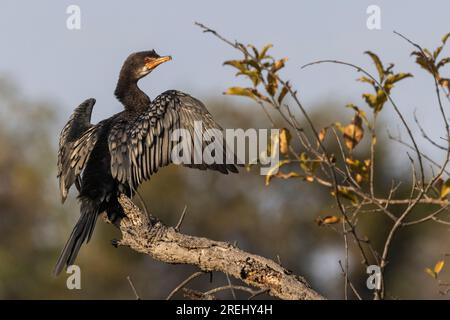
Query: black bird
[(116, 155)]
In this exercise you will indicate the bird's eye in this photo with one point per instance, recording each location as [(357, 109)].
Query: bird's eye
[(147, 59)]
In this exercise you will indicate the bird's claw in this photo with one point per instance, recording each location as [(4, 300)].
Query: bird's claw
[(115, 243)]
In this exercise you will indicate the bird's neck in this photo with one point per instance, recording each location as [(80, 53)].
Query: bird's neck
[(129, 94)]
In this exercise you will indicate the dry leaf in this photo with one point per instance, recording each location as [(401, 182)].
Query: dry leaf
[(328, 220), (285, 139), (353, 133)]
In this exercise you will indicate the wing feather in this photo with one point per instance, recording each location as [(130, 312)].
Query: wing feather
[(76, 142), (138, 149)]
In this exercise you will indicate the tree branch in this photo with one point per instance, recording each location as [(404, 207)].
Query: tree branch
[(146, 234)]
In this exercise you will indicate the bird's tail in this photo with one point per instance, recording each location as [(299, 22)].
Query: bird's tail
[(81, 232)]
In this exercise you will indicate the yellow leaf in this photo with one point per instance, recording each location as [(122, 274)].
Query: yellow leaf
[(285, 139), (236, 63), (431, 273), (353, 133), (238, 91), (328, 220), (359, 178), (322, 133), (438, 267), (445, 190)]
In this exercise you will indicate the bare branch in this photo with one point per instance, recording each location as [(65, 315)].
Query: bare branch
[(146, 234)]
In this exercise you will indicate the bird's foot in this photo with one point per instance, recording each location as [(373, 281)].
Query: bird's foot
[(115, 243)]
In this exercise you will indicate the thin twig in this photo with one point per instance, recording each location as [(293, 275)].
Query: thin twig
[(133, 288)]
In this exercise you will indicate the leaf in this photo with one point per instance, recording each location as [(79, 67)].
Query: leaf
[(260, 96), (376, 60), (445, 38), (371, 100), (328, 220), (445, 190), (443, 62), (437, 52), (236, 63), (264, 50), (238, 91), (353, 133), (278, 65), (348, 194), (360, 113), (367, 80), (322, 133), (445, 82), (255, 51), (393, 78), (304, 162), (438, 266), (431, 273), (272, 84), (358, 167), (253, 75), (425, 62), (283, 93), (285, 176), (285, 139)]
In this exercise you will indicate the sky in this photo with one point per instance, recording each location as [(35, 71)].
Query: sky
[(49, 61)]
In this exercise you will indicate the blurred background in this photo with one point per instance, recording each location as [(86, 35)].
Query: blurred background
[(46, 70)]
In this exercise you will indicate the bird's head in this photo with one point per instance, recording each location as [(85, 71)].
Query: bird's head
[(140, 64)]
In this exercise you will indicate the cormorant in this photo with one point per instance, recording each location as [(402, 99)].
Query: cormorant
[(116, 155)]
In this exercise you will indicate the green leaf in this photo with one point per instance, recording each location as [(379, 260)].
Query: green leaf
[(376, 60), (445, 38), (437, 52)]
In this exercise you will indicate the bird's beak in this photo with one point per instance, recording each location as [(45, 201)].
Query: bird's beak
[(156, 62)]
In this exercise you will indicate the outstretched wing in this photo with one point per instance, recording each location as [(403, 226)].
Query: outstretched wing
[(76, 142), (140, 149)]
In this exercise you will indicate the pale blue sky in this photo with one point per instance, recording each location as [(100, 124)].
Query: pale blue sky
[(49, 61)]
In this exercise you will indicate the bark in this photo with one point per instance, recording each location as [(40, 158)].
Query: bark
[(146, 234)]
